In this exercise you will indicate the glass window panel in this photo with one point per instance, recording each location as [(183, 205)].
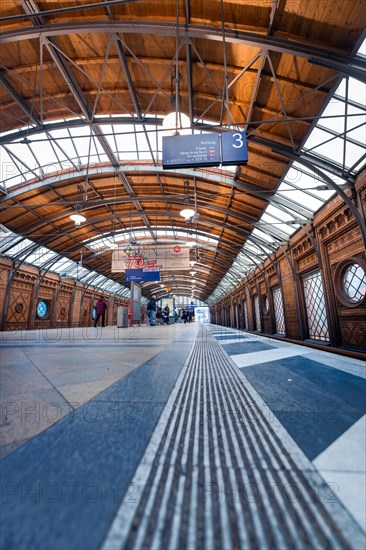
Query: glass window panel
[(278, 311), (145, 155), (257, 315), (276, 224), (42, 309), (315, 307), (354, 282), (336, 107), (246, 321)]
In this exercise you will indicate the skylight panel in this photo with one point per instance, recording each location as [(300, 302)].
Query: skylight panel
[(9, 173), (279, 214), (62, 265), (45, 155), (355, 117), (262, 235), (266, 219), (358, 134), (19, 247), (66, 143), (356, 91), (316, 139), (41, 256), (142, 144), (302, 199), (25, 159)]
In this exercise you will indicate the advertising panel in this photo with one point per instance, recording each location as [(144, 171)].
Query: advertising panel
[(157, 258)]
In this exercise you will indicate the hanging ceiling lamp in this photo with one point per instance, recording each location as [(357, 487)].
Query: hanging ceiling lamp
[(187, 213), (176, 122), (77, 218)]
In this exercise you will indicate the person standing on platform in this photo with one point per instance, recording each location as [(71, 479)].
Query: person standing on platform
[(101, 307), (166, 313), (151, 308), (185, 315)]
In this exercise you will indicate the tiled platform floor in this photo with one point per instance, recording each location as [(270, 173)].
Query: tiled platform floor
[(319, 397), (79, 408)]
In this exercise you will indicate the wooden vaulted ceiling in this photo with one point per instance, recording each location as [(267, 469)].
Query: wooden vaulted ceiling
[(264, 65)]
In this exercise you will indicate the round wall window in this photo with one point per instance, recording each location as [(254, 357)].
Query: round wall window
[(19, 307), (43, 309), (354, 283), (350, 282)]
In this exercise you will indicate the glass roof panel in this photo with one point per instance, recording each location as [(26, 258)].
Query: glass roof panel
[(19, 247), (9, 173), (298, 198), (66, 143), (63, 266), (24, 158)]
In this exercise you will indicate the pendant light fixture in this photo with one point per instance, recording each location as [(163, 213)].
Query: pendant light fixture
[(78, 218), (176, 122), (187, 213)]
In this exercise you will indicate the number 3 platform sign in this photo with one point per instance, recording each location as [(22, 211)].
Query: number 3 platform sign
[(205, 150), (234, 148)]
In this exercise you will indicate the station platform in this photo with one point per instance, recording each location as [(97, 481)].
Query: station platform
[(182, 436)]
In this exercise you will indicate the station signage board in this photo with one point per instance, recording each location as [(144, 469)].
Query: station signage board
[(210, 149), (193, 150), (138, 275), (234, 148)]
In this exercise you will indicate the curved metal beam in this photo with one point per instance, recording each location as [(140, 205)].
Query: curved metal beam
[(102, 171), (347, 65), (276, 148), (121, 215)]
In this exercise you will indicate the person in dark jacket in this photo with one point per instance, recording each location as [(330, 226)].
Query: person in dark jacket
[(151, 308), (166, 313), (184, 315), (101, 307)]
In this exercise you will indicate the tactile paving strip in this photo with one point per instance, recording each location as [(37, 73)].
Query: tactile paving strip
[(216, 474)]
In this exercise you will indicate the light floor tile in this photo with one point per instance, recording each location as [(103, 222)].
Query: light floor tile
[(343, 466), (257, 357), (348, 452), (350, 489), (77, 394)]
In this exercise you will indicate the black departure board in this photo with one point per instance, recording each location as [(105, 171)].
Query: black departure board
[(205, 150), (192, 150)]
